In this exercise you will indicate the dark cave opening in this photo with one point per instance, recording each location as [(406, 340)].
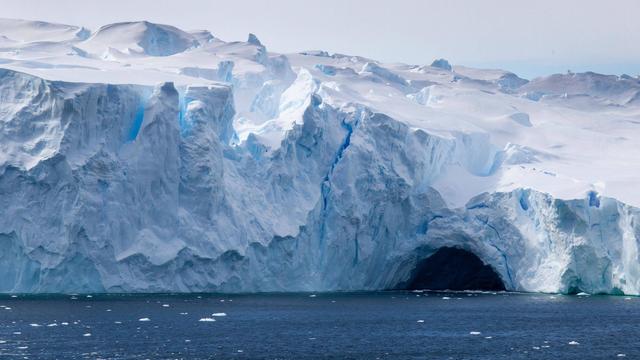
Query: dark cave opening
[(452, 268)]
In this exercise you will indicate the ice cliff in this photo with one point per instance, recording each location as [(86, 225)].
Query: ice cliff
[(144, 158)]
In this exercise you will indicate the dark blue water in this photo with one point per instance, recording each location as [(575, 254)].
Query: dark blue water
[(388, 325)]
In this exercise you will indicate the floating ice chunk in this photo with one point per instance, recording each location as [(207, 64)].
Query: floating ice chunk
[(219, 314), (488, 337), (621, 355), (165, 305), (207, 320), (312, 295), (86, 335), (22, 347), (64, 323), (144, 319), (574, 343), (17, 333), (35, 325), (582, 294), (420, 321), (446, 298), (184, 313), (52, 325), (7, 308), (474, 333), (627, 298), (3, 341), (117, 322)]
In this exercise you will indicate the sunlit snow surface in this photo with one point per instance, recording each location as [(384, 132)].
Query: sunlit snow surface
[(142, 157)]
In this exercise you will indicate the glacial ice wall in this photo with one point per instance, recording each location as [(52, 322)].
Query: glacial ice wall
[(111, 188), (141, 157)]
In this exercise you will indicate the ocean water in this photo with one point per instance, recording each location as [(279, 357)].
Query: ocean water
[(381, 325)]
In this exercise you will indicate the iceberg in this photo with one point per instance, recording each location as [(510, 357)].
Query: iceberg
[(220, 166)]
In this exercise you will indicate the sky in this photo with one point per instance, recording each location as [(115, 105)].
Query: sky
[(530, 38)]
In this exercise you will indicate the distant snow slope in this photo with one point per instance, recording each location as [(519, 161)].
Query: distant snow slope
[(142, 157)]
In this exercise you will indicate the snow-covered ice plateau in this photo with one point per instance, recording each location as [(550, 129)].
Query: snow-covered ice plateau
[(143, 158)]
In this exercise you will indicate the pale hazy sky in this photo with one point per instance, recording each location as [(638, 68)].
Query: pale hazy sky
[(530, 37)]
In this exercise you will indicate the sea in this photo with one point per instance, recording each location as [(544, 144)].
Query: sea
[(358, 325)]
